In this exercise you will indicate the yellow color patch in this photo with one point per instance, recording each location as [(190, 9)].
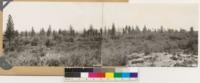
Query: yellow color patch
[(109, 75)]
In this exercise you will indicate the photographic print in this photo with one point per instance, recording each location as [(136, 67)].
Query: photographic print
[(100, 34), (150, 35), (52, 34)]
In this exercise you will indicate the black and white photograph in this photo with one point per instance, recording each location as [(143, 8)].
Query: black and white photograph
[(100, 34), (150, 35), (52, 34)]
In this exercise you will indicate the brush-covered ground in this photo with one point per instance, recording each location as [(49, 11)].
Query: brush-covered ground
[(129, 46), (54, 51), (167, 49)]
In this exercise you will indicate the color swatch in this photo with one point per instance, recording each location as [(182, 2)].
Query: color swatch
[(109, 74), (101, 73)]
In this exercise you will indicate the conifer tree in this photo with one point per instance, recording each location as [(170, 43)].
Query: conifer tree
[(144, 29), (191, 30), (124, 31), (105, 31), (32, 32), (129, 29), (137, 29), (71, 31), (60, 31), (10, 32), (101, 31), (90, 31), (84, 32), (161, 29), (42, 32), (49, 31), (113, 30), (26, 33)]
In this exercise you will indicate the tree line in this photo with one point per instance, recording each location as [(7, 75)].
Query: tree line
[(91, 33)]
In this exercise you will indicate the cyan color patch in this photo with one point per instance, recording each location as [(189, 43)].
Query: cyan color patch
[(125, 75)]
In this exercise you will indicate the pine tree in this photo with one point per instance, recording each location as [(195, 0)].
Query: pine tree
[(144, 29), (42, 32), (59, 31), (90, 31), (54, 33), (71, 31), (101, 31), (26, 33), (64, 32), (161, 29), (129, 29), (124, 31), (10, 32), (137, 29), (105, 30), (191, 30), (84, 32), (49, 31), (32, 32), (113, 30)]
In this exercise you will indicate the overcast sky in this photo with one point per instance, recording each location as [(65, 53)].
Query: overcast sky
[(81, 15)]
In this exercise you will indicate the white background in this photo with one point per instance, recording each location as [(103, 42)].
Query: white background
[(146, 75)]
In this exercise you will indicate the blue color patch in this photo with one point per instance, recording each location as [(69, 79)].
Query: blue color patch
[(133, 75)]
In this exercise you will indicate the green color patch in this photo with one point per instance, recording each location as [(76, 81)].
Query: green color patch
[(117, 75)]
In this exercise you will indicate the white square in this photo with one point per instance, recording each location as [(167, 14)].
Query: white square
[(84, 75)]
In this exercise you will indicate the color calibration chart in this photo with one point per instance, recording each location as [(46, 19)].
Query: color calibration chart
[(100, 74)]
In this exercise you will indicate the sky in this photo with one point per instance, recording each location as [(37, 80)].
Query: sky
[(81, 15)]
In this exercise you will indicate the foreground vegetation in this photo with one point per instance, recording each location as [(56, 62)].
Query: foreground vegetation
[(134, 45), (130, 46)]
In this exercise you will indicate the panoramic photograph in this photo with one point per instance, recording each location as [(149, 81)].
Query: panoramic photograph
[(96, 34), (150, 35)]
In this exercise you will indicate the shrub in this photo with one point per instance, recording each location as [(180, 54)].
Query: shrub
[(34, 42), (49, 43), (53, 62)]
